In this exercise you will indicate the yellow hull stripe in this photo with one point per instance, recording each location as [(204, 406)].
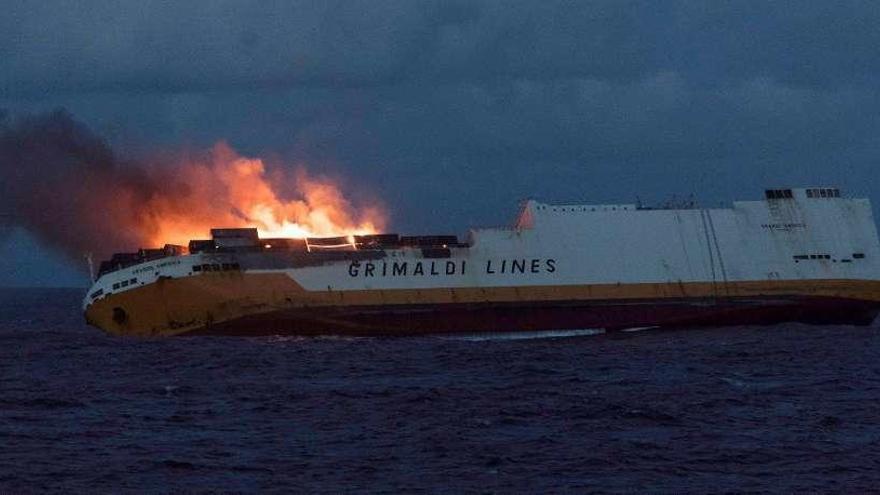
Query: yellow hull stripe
[(175, 306)]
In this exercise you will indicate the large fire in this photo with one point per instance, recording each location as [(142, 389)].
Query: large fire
[(228, 190), (70, 188)]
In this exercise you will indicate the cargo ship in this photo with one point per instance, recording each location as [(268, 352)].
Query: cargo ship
[(805, 255)]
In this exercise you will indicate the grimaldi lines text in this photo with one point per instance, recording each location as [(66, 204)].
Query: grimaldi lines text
[(806, 254), (447, 268)]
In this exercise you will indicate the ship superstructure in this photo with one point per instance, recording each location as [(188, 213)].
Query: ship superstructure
[(805, 254)]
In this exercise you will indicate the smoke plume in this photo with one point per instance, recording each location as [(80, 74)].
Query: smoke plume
[(67, 186)]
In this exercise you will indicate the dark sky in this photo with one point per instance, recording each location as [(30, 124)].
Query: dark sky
[(454, 111)]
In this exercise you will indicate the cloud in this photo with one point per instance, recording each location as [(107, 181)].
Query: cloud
[(494, 99), (197, 46)]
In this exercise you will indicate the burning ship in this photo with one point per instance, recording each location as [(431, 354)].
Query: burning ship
[(803, 255)]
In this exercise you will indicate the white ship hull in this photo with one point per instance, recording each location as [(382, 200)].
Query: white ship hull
[(808, 255)]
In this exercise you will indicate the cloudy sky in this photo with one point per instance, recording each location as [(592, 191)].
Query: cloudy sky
[(453, 111)]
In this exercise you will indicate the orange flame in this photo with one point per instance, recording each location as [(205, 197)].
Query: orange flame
[(228, 190)]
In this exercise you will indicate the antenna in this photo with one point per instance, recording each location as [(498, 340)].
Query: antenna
[(88, 257)]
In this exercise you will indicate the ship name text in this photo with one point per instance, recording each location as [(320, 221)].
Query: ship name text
[(783, 226), (150, 268), (449, 268)]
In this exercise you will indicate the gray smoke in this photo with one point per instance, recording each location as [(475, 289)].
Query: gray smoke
[(65, 185)]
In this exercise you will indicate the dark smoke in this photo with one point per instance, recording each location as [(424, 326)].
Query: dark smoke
[(64, 184)]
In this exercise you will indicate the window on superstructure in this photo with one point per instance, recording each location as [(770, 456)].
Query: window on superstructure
[(115, 286), (197, 268), (858, 256), (823, 193), (778, 193), (809, 193)]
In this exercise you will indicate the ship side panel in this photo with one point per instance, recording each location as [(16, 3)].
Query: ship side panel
[(573, 265)]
